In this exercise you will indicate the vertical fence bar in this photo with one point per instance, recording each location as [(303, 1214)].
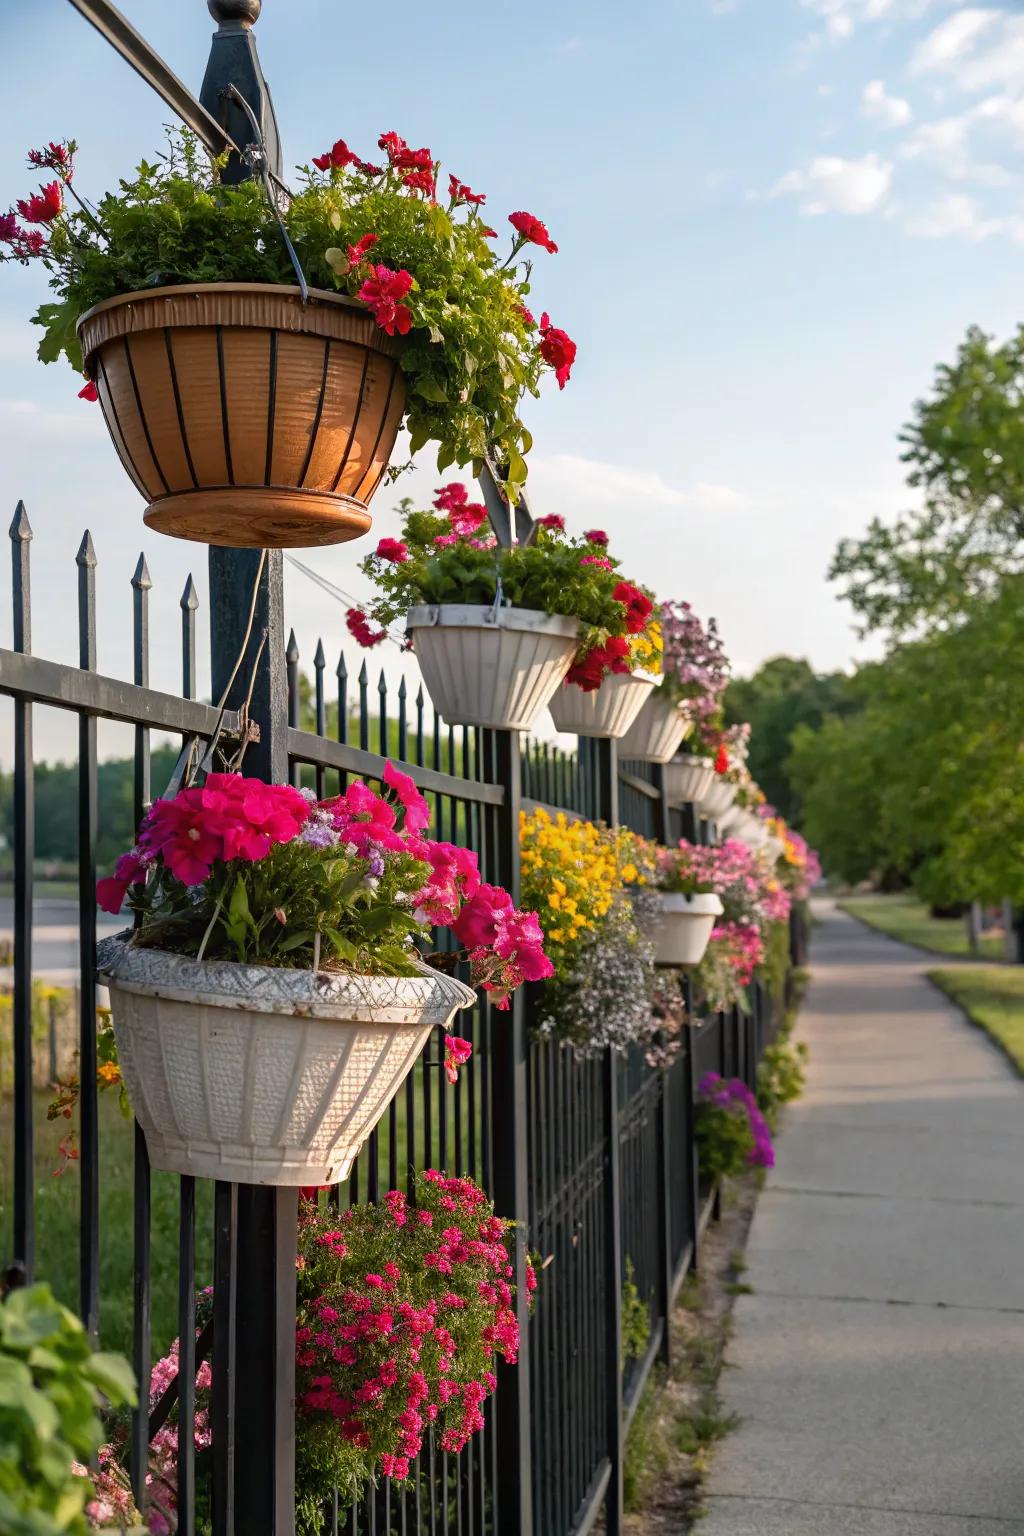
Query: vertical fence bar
[(319, 667), (89, 1161), (24, 858), (342, 676), (187, 1357), (509, 1119), (690, 1150), (291, 657), (666, 1267), (141, 1192)]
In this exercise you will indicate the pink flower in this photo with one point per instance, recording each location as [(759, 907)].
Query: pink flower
[(383, 293), (478, 922), (417, 811), (599, 560), (456, 1053), (90, 392), (596, 536), (554, 520), (392, 549), (357, 252), (360, 628), (448, 497), (129, 870)]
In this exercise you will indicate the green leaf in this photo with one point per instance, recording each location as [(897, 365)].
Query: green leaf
[(293, 941), (114, 1377), (430, 389), (343, 948)]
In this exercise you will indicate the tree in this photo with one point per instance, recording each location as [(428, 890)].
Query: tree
[(965, 446)]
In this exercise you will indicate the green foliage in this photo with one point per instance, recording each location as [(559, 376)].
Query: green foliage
[(471, 353), (297, 904), (636, 1317), (783, 695), (774, 968), (992, 996), (545, 575), (52, 1388), (724, 1140), (780, 1077)]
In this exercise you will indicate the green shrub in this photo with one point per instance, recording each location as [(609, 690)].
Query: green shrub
[(780, 1077)]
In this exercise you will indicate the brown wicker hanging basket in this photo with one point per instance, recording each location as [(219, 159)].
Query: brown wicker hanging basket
[(244, 417)]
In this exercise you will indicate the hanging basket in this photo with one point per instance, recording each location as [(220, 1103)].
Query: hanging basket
[(657, 731), (243, 417), (682, 929), (492, 667), (608, 711), (731, 819), (752, 831), (717, 798), (687, 779), (261, 1075)]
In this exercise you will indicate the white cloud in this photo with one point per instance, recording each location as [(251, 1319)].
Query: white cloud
[(892, 111), (958, 216), (831, 184), (557, 478), (952, 39)]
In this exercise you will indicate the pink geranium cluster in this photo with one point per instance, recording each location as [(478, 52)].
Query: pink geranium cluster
[(403, 1311), (742, 947)]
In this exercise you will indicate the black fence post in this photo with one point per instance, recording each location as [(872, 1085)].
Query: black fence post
[(689, 1151), (509, 1122), (24, 855)]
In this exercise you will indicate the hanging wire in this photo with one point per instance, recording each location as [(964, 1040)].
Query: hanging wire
[(340, 595)]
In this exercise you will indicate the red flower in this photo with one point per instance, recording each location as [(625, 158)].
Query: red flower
[(532, 230), (596, 536), (420, 181), (338, 156), (722, 760), (590, 671), (558, 349), (110, 893), (10, 229), (466, 520), (489, 233), (360, 628), (637, 604), (449, 497), (553, 520), (55, 157), (43, 206), (357, 252), (459, 192), (527, 317), (368, 169), (90, 392), (382, 293), (392, 549)]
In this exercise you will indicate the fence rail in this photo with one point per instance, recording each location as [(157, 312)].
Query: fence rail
[(594, 1158)]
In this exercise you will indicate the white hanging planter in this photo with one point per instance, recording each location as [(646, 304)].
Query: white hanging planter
[(687, 779), (682, 930), (657, 731), (608, 711), (774, 847), (750, 829), (493, 667), (731, 819), (717, 798), (261, 1075)]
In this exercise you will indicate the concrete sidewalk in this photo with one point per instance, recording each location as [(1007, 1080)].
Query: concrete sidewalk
[(878, 1366)]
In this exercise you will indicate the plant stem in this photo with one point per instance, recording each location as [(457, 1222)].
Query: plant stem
[(209, 930)]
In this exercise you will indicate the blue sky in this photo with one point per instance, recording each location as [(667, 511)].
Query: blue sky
[(774, 217)]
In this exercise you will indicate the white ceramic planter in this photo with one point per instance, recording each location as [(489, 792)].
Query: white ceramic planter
[(683, 927), (687, 779), (774, 847), (717, 798), (751, 830), (262, 1075), (493, 667), (608, 711), (731, 820), (657, 731)]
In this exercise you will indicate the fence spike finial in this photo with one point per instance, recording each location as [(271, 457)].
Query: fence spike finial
[(21, 528), (342, 670), (319, 660), (142, 581), (86, 551), (292, 651), (189, 600), (403, 692)]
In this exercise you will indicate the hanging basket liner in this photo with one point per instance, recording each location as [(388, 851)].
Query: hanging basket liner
[(242, 416), (682, 929), (687, 779), (491, 667), (608, 711), (657, 731), (262, 1075)]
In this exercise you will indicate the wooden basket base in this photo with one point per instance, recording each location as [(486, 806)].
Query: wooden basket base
[(259, 517)]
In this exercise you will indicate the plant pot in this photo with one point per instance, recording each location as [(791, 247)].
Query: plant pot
[(682, 929), (608, 711), (731, 819), (261, 1075), (243, 417), (656, 732), (494, 667), (774, 847), (687, 778), (753, 832), (717, 798)]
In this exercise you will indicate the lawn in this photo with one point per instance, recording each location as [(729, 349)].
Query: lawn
[(992, 996), (904, 918)]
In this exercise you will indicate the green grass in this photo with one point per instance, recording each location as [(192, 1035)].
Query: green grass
[(905, 918), (57, 1225), (992, 996)]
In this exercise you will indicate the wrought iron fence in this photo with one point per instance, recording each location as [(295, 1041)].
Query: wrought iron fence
[(594, 1158)]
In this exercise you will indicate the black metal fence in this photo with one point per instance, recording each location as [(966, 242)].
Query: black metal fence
[(595, 1159)]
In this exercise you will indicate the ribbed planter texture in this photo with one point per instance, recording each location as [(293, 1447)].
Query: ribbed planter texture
[(657, 731), (687, 779), (261, 1075), (493, 667), (608, 711), (244, 417), (682, 929), (718, 796)]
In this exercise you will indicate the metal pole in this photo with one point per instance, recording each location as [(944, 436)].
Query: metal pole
[(254, 1339)]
